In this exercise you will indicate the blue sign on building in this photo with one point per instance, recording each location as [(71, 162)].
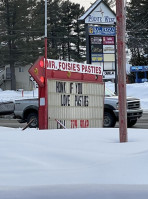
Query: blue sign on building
[(141, 73)]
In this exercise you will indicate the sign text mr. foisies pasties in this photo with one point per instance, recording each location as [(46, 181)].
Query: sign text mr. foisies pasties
[(74, 67)]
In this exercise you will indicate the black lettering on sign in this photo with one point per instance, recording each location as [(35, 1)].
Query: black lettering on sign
[(60, 87), (60, 126), (71, 87), (65, 100), (81, 100), (78, 88)]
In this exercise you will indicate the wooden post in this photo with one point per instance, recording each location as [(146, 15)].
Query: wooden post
[(46, 86), (120, 14)]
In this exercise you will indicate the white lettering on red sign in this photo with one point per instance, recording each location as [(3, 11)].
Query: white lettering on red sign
[(73, 67)]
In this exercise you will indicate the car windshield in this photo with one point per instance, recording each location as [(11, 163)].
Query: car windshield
[(108, 93)]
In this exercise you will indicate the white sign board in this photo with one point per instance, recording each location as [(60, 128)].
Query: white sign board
[(75, 104), (101, 15), (74, 67), (110, 66), (109, 75), (109, 57), (108, 49)]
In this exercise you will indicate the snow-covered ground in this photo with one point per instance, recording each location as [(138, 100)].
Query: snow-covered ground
[(74, 163)]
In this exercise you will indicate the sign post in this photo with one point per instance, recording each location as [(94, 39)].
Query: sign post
[(75, 95), (120, 14), (100, 22)]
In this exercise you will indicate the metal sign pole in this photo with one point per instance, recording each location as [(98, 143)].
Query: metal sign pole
[(116, 71), (120, 15), (46, 91), (87, 45)]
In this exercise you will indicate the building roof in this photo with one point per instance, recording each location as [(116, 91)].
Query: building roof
[(93, 7)]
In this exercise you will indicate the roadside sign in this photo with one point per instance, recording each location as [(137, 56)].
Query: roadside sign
[(97, 48), (75, 95), (75, 104), (109, 57), (74, 67), (37, 71), (99, 30), (100, 22), (108, 40), (109, 49), (102, 50), (99, 13), (109, 66), (96, 40), (109, 74), (95, 57)]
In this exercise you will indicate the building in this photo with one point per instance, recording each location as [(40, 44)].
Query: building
[(23, 79)]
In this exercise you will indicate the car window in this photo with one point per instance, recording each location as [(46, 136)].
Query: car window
[(108, 93)]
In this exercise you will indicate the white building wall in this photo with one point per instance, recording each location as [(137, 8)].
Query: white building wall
[(23, 78)]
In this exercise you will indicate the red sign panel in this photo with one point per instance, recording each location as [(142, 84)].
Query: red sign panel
[(108, 40), (37, 71)]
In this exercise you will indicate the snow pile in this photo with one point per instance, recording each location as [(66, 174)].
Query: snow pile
[(72, 156), (73, 163)]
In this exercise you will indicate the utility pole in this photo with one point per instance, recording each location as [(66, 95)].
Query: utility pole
[(120, 15), (46, 86)]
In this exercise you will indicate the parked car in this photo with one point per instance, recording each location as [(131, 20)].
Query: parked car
[(27, 110)]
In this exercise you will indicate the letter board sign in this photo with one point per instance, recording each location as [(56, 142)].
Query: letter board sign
[(75, 104), (75, 95)]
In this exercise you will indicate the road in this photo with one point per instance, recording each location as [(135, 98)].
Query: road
[(13, 123), (142, 123)]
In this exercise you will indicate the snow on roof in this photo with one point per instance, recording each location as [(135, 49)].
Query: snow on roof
[(89, 10)]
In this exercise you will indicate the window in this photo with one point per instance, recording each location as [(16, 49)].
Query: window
[(21, 69), (8, 73)]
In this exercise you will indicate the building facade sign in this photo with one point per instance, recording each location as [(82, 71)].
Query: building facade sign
[(101, 15)]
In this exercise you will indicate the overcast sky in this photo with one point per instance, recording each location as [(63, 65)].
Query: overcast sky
[(85, 3)]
